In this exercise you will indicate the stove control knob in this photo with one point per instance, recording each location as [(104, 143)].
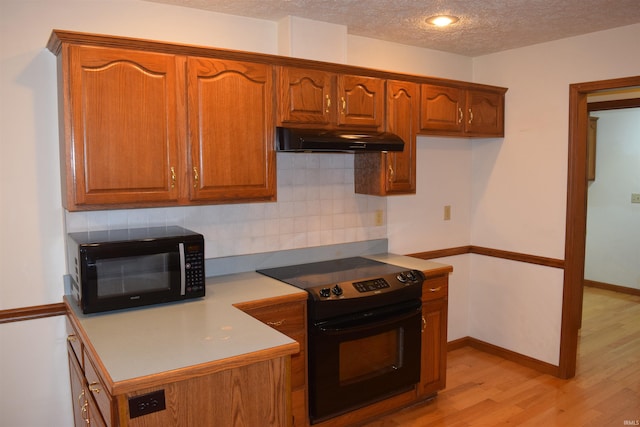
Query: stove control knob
[(411, 276), (401, 278), (337, 290), (325, 292)]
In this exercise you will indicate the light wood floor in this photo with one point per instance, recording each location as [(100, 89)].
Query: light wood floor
[(486, 390)]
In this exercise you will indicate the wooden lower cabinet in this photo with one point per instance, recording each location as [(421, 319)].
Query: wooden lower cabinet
[(290, 318), (270, 393), (85, 408), (434, 336), (254, 394)]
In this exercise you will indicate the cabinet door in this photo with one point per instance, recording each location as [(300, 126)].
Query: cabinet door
[(231, 135), (305, 97), (384, 174), (360, 102), (484, 113), (434, 347), (441, 108), (78, 394), (402, 119), (121, 145)]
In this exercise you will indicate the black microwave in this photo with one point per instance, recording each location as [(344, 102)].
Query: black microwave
[(116, 269)]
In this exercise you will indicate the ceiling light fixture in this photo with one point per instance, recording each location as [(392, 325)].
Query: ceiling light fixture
[(442, 20)]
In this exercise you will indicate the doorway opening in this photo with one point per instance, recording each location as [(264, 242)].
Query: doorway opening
[(576, 218)]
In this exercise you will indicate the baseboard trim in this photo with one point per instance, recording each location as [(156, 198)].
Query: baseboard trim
[(521, 359), (610, 287)]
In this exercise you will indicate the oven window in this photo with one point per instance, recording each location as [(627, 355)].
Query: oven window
[(370, 357), (133, 275)]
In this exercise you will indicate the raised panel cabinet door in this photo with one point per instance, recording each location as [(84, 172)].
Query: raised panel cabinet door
[(360, 102), (441, 108), (383, 174), (305, 96), (230, 109), (402, 119), (434, 347), (484, 113), (79, 400), (122, 147)]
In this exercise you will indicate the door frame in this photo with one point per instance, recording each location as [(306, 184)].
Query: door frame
[(576, 219)]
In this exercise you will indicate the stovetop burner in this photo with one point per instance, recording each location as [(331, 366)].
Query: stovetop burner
[(324, 273)]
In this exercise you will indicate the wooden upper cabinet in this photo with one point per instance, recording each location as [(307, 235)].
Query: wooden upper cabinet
[(318, 99), (485, 113), (442, 108), (360, 102), (461, 111), (143, 129), (384, 174), (304, 96), (230, 130), (122, 138)]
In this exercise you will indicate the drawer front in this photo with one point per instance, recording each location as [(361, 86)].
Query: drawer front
[(98, 390), (435, 288), (74, 343)]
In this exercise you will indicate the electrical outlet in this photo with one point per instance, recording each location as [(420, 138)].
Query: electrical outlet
[(379, 219), (146, 404), (447, 212), (635, 197)]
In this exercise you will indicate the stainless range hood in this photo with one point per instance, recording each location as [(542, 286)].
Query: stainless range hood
[(320, 140)]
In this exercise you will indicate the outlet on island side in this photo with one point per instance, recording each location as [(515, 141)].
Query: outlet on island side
[(635, 197), (447, 212)]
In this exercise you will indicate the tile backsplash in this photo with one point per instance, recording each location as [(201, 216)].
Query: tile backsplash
[(316, 206)]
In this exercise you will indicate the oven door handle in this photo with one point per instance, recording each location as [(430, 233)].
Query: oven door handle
[(368, 320)]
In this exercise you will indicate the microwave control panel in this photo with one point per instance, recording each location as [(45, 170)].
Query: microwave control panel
[(194, 273)]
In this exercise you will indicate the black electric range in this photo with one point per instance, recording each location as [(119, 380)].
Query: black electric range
[(347, 285)]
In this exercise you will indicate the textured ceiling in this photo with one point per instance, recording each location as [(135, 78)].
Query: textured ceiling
[(485, 26)]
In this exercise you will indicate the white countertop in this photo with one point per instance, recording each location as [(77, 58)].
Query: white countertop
[(150, 340)]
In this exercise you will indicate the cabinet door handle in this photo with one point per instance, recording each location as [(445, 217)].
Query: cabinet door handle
[(328, 104), (173, 177), (278, 323), (84, 411), (196, 177), (344, 105), (424, 324), (460, 115), (72, 338), (470, 116), (435, 289), (93, 388), (391, 173)]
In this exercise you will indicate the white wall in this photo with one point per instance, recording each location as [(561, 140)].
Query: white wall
[(519, 184), (508, 194), (32, 222), (613, 222)]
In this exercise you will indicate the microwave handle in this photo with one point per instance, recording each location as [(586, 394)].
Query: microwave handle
[(183, 279)]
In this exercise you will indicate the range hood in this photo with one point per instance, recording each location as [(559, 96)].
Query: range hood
[(320, 140)]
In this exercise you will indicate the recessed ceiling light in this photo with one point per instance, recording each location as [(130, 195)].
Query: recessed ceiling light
[(442, 20)]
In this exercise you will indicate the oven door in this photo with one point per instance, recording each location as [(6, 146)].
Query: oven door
[(359, 359)]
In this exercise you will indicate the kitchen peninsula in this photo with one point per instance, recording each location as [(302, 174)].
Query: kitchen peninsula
[(205, 362)]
